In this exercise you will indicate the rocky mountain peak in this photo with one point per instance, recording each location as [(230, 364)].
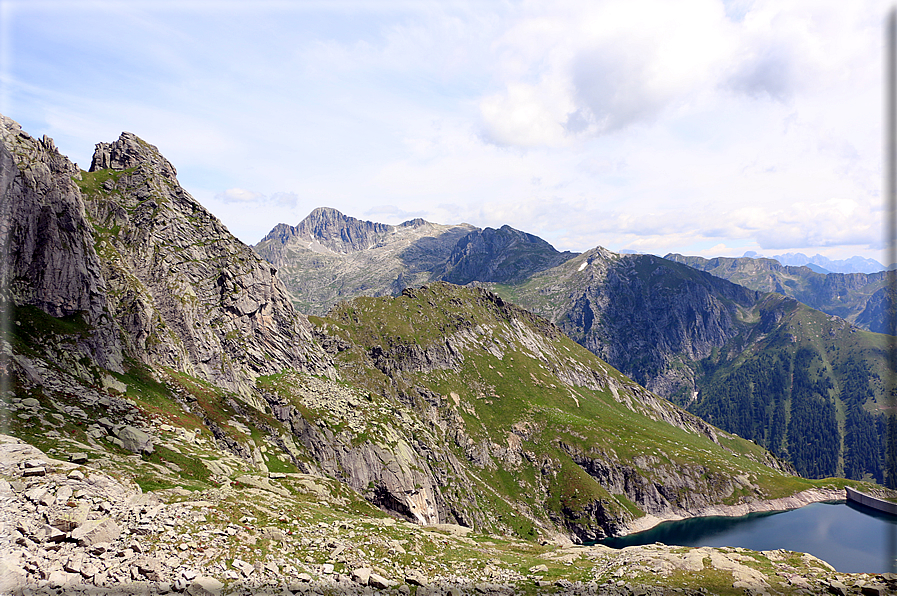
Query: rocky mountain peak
[(186, 293), (341, 233), (130, 151)]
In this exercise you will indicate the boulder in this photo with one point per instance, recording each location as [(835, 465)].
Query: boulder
[(836, 587), (134, 439), (204, 586), (378, 581), (150, 568), (49, 534), (244, 567), (74, 563), (96, 530), (11, 576), (415, 578), (362, 575), (64, 493)]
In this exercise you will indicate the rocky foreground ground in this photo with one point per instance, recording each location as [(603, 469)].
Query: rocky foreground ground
[(69, 527)]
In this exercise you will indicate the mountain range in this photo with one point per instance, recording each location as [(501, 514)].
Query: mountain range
[(822, 264), (420, 436), (860, 298), (676, 325)]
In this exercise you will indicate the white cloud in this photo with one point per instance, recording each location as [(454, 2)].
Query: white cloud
[(239, 195), (593, 68), (648, 124)]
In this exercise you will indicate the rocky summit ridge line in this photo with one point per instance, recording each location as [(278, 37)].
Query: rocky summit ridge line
[(688, 334), (330, 257), (219, 440)]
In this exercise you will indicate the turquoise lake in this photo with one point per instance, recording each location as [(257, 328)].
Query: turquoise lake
[(851, 538)]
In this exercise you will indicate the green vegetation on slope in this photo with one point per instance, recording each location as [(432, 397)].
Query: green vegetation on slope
[(528, 400)]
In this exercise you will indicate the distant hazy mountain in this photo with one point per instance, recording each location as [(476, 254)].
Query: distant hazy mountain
[(822, 264), (860, 298), (330, 257)]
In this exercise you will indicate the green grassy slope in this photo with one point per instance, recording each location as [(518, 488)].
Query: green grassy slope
[(544, 423)]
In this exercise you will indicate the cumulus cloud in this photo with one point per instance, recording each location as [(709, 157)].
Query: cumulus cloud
[(643, 124), (593, 68), (588, 69)]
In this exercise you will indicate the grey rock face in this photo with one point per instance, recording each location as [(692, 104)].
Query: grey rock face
[(96, 531), (331, 257), (392, 471), (341, 233), (878, 312), (150, 273), (129, 152), (135, 439), (48, 259), (187, 293), (639, 312)]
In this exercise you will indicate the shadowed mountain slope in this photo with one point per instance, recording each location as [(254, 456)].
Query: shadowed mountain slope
[(705, 343), (219, 440), (860, 298)]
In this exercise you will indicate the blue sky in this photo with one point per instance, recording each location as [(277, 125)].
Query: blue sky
[(693, 126)]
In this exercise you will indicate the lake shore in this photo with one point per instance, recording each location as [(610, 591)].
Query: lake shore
[(801, 499)]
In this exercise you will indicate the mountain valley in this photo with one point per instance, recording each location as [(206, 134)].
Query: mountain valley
[(682, 332), (174, 422)]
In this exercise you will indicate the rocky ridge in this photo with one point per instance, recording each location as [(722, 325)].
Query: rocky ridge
[(185, 292), (330, 257), (640, 313), (855, 297), (41, 212), (505, 387), (505, 255)]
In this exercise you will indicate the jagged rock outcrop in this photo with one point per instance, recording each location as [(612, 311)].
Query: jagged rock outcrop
[(331, 257), (48, 256), (186, 293), (148, 271), (394, 476), (327, 230), (505, 255), (395, 461), (341, 233)]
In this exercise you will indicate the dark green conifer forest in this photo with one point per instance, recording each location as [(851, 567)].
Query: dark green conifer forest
[(788, 403)]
